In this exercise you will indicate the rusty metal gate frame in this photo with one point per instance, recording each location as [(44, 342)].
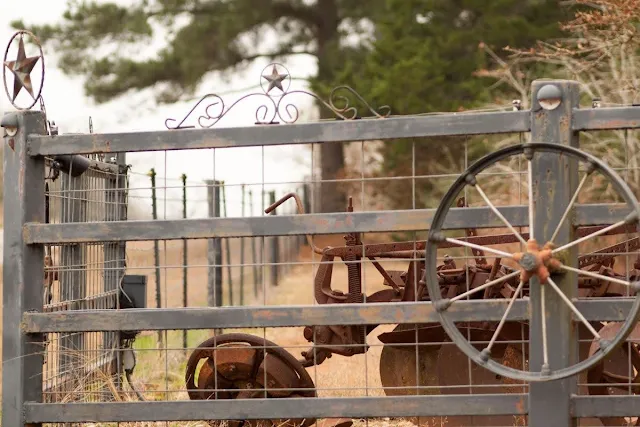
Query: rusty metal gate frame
[(25, 323)]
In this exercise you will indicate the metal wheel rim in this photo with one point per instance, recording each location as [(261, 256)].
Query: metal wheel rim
[(431, 258)]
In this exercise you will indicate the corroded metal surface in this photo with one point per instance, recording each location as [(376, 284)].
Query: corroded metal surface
[(619, 373), (242, 366), (438, 363)]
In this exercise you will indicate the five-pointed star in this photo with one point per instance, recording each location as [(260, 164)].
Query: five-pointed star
[(275, 79), (21, 68)]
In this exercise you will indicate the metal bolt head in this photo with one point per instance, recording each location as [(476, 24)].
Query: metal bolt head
[(528, 262), (9, 123), (517, 104), (549, 97), (10, 131)]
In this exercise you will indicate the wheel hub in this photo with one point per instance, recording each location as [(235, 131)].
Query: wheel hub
[(536, 261)]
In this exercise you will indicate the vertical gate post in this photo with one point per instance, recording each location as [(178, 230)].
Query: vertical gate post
[(554, 182), (185, 256), (22, 355), (214, 248), (114, 253), (242, 253)]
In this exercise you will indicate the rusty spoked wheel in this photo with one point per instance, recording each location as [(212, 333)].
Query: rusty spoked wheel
[(538, 264), (242, 366), (618, 373)]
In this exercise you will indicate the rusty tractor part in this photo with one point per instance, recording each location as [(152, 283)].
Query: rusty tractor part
[(242, 366), (619, 373), (439, 366)]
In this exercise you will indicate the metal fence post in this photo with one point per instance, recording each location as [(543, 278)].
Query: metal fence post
[(185, 257), (22, 354), (306, 203), (275, 250), (242, 253), (156, 247), (214, 250), (550, 402), (226, 242), (115, 252), (254, 256)]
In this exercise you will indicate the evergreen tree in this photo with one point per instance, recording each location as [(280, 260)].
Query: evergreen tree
[(424, 59), (212, 36)]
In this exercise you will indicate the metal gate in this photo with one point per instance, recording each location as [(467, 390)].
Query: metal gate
[(545, 388)]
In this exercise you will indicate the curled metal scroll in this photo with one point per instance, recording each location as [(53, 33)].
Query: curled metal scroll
[(275, 109)]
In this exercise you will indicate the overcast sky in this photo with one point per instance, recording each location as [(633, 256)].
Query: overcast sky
[(66, 104)]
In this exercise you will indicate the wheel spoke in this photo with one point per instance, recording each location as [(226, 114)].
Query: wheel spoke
[(482, 248), (497, 212), (589, 236), (485, 286), (504, 316), (596, 275), (572, 307), (543, 318), (571, 203)]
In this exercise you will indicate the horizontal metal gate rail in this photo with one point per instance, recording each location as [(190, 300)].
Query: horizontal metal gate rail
[(25, 236), (337, 131), (359, 407), (344, 314), (413, 220)]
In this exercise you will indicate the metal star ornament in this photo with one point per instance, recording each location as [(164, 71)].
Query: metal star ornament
[(21, 69), (275, 79)]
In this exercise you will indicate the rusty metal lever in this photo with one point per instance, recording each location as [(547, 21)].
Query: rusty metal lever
[(300, 212)]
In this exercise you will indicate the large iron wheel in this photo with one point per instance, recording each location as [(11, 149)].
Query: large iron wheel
[(538, 264), (242, 366)]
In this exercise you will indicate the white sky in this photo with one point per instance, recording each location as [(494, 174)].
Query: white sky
[(70, 109)]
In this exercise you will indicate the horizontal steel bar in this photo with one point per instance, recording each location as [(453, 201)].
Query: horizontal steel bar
[(111, 168), (606, 118), (256, 409), (274, 225), (332, 131), (105, 300), (146, 319), (606, 406)]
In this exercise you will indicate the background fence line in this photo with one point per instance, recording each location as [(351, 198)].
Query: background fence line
[(282, 250)]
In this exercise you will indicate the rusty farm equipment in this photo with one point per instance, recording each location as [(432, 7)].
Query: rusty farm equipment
[(433, 358)]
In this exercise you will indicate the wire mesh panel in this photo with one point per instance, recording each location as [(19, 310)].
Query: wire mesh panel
[(83, 276), (478, 267)]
